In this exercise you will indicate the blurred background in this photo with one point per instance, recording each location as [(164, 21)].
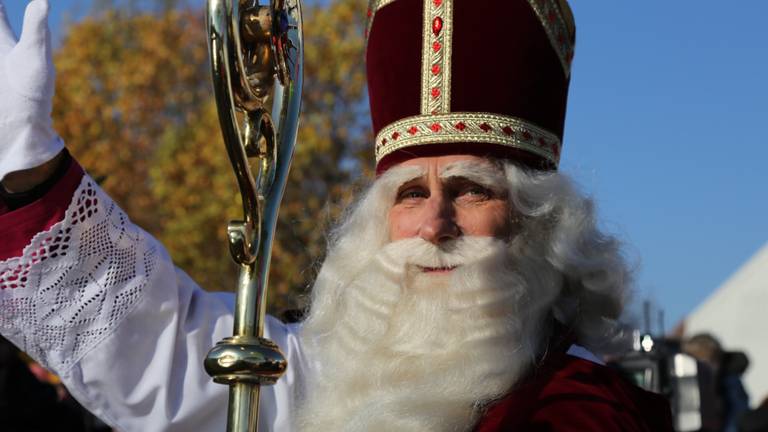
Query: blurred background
[(664, 127)]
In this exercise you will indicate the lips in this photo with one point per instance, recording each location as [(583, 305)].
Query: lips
[(437, 269)]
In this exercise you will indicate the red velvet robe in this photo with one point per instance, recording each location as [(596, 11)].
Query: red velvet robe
[(570, 394)]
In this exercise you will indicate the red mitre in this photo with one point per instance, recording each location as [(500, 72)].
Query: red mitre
[(487, 77)]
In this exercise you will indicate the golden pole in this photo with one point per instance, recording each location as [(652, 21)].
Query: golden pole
[(254, 49)]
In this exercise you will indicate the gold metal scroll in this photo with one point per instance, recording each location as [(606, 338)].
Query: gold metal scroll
[(256, 59)]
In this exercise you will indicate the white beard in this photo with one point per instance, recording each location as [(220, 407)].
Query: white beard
[(396, 348)]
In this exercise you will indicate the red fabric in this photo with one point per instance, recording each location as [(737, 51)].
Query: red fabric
[(502, 62), (393, 62), (569, 394), (18, 227)]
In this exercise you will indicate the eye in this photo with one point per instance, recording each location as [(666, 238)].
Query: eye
[(471, 191), (412, 193), (476, 190)]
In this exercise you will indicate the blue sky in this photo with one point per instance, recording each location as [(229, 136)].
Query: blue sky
[(62, 11), (665, 127)]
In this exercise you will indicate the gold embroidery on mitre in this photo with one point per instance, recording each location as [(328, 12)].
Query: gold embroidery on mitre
[(557, 29), (468, 127), (437, 46)]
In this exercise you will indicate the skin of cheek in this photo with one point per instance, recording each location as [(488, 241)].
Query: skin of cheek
[(488, 220), (402, 223)]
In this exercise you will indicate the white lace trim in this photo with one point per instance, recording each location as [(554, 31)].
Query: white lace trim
[(75, 283)]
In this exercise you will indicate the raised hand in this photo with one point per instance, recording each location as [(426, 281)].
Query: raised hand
[(27, 138)]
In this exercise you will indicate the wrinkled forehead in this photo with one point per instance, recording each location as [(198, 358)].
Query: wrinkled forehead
[(483, 171)]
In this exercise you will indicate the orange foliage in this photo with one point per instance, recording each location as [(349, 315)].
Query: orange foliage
[(134, 104)]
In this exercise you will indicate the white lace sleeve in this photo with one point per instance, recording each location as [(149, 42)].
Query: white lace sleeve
[(75, 283), (98, 301)]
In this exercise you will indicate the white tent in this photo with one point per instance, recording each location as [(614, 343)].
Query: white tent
[(737, 314)]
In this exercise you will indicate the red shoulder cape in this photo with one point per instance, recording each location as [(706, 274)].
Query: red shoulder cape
[(569, 394)]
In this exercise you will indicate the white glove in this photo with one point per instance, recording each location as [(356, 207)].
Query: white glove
[(27, 138)]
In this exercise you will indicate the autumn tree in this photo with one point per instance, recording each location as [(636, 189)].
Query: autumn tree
[(134, 103)]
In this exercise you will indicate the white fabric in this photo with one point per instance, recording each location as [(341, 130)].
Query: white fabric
[(27, 138), (584, 354), (98, 301)]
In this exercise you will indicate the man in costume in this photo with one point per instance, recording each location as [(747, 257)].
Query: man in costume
[(462, 292)]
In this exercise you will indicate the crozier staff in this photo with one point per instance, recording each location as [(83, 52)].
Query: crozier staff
[(465, 291)]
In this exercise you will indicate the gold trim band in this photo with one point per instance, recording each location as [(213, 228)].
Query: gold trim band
[(557, 30), (468, 127), (437, 46)]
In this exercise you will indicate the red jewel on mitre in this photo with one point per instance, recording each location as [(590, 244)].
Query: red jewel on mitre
[(485, 77)]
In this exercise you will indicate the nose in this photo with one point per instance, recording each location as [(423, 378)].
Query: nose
[(438, 224)]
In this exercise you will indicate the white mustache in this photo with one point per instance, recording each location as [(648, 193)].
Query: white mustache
[(418, 252)]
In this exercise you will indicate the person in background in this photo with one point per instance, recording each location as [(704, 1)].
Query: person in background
[(755, 420), (721, 380)]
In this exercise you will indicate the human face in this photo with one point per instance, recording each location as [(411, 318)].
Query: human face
[(451, 196)]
